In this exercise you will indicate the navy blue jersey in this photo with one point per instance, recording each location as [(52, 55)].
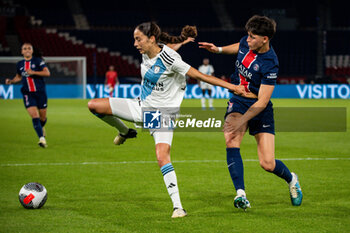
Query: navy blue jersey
[(253, 69), (33, 83)]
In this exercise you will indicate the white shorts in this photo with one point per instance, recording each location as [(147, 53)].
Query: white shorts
[(205, 86), (130, 110)]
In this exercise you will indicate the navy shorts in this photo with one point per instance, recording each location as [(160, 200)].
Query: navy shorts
[(38, 99), (261, 123)]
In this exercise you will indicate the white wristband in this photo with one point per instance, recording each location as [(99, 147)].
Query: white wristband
[(220, 49)]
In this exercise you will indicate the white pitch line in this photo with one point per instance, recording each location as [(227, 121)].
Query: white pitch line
[(145, 162)]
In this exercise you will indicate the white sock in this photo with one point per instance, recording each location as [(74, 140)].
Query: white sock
[(210, 102), (116, 122), (171, 184), (241, 192), (203, 102)]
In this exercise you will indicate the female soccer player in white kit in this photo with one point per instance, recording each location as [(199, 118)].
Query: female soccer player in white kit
[(163, 85)]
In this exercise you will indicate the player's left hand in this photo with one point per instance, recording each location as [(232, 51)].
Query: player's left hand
[(30, 72), (189, 39), (233, 126)]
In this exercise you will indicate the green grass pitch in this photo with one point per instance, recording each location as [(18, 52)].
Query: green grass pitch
[(94, 186)]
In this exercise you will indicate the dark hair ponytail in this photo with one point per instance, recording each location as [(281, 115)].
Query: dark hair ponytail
[(187, 31), (152, 29)]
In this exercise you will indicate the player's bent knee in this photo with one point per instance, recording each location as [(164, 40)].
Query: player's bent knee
[(232, 140), (267, 165), (92, 105)]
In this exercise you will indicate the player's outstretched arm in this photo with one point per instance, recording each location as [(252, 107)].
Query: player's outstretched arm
[(16, 79), (178, 45), (194, 73), (229, 49)]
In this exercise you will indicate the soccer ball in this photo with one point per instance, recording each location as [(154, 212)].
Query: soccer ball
[(32, 195)]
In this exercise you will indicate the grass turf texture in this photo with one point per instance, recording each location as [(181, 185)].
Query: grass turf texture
[(121, 194)]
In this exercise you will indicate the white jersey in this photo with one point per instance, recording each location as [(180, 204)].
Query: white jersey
[(208, 70), (163, 79)]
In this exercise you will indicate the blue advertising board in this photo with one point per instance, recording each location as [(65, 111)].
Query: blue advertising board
[(307, 91)]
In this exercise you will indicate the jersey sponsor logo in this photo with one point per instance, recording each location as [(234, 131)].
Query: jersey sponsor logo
[(158, 86), (243, 69), (25, 74), (151, 78), (272, 76)]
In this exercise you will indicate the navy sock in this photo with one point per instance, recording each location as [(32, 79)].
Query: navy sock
[(37, 127), (43, 122), (282, 171), (235, 167)]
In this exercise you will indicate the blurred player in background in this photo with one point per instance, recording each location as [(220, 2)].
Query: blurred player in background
[(257, 70), (31, 71), (208, 69), (111, 80), (163, 86), (223, 77)]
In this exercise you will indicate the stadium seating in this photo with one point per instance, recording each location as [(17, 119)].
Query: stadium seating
[(4, 49), (112, 22), (53, 43), (129, 14), (52, 13)]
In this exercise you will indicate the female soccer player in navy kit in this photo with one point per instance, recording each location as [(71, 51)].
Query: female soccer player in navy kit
[(31, 71), (256, 69), (163, 86)]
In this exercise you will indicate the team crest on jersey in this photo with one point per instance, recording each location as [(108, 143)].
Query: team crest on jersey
[(256, 67), (33, 66), (156, 69)]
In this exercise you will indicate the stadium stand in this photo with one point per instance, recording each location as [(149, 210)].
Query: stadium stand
[(107, 37)]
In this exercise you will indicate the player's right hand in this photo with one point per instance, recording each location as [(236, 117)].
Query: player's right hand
[(239, 90), (208, 46), (8, 81)]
